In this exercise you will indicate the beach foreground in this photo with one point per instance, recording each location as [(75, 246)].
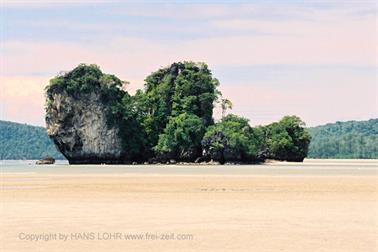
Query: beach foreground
[(302, 207)]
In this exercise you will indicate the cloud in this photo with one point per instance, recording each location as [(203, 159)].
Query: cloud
[(22, 99), (335, 45), (317, 94), (49, 3), (225, 36), (268, 10)]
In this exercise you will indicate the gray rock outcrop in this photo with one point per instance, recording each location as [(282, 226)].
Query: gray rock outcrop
[(79, 127)]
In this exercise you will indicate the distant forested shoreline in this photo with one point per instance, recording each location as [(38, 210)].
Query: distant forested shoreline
[(351, 139), (22, 141)]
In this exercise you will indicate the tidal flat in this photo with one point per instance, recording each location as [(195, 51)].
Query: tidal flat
[(318, 205)]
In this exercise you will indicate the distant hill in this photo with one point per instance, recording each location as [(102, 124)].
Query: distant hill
[(351, 139), (22, 141)]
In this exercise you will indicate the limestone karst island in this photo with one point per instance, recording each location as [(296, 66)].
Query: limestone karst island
[(92, 120)]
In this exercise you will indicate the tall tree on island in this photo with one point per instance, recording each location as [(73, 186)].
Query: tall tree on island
[(181, 94)]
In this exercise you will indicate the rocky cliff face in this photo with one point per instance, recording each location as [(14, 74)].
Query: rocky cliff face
[(80, 129)]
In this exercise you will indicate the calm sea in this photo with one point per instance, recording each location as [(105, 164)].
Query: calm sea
[(308, 167)]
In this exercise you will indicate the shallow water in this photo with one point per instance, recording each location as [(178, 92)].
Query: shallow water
[(308, 167)]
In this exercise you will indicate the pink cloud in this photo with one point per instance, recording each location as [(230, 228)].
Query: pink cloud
[(339, 41), (317, 99), (22, 99), (321, 38)]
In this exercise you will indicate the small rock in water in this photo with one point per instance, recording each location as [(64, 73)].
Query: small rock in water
[(46, 160)]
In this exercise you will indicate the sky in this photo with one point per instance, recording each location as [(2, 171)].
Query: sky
[(314, 59)]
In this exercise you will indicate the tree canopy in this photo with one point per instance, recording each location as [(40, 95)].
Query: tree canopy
[(287, 139), (176, 96), (84, 79), (181, 138), (232, 139)]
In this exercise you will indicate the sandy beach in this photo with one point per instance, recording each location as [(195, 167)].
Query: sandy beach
[(273, 207)]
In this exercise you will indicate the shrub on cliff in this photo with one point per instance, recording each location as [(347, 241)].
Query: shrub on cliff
[(85, 79)]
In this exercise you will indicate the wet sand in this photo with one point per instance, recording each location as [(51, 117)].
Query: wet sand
[(315, 206)]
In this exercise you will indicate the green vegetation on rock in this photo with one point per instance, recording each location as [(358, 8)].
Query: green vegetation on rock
[(85, 79), (78, 101), (172, 118)]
